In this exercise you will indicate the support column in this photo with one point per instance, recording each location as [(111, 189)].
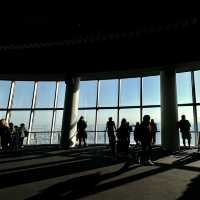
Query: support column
[(70, 114), (169, 111)]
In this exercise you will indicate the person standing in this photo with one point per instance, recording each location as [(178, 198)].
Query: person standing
[(111, 128), (81, 132), (145, 138), (153, 130), (184, 126), (22, 134)]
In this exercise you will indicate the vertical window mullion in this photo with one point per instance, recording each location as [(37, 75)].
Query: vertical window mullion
[(96, 115), (35, 90), (118, 101), (54, 111), (10, 100), (194, 108), (141, 98)]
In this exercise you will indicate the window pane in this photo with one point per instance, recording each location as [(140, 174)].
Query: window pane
[(184, 88), (19, 117), (188, 112), (2, 114), (42, 121), (151, 90), (108, 93), (4, 93), (198, 118), (155, 114), (23, 94), (130, 92), (197, 85), (88, 94), (132, 116), (58, 127), (58, 120), (45, 94), (61, 95), (102, 118)]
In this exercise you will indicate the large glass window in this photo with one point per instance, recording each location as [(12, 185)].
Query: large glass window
[(88, 94), (108, 93), (2, 114), (23, 94), (4, 93), (197, 85), (56, 134), (151, 90), (19, 117), (42, 121), (58, 120), (61, 95), (130, 92), (45, 94), (184, 87)]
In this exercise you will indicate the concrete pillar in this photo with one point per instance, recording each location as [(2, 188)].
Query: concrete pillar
[(169, 111), (70, 114)]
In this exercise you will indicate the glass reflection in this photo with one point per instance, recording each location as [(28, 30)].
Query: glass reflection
[(130, 92), (151, 90), (45, 94), (4, 93), (88, 94), (108, 93), (23, 94), (184, 87)]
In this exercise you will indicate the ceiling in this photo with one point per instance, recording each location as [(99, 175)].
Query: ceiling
[(72, 42)]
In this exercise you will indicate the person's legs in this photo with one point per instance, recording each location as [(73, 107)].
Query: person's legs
[(84, 141), (184, 143), (189, 141)]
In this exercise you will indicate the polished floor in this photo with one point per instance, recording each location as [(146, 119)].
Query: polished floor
[(47, 172)]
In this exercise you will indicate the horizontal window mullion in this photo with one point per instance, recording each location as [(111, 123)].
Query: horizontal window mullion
[(31, 109)]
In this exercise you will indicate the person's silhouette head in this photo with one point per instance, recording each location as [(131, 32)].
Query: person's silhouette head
[(110, 118), (183, 117), (152, 120), (81, 118), (146, 118)]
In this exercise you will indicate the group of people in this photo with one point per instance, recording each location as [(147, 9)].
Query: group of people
[(144, 134), (12, 136)]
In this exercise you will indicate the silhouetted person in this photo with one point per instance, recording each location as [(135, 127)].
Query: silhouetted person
[(123, 137), (153, 130), (11, 129), (81, 132), (22, 134), (5, 134), (111, 128), (16, 138), (184, 126), (145, 137), (129, 132), (137, 133)]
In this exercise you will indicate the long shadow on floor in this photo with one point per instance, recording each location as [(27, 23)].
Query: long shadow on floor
[(80, 186), (192, 190), (90, 184)]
